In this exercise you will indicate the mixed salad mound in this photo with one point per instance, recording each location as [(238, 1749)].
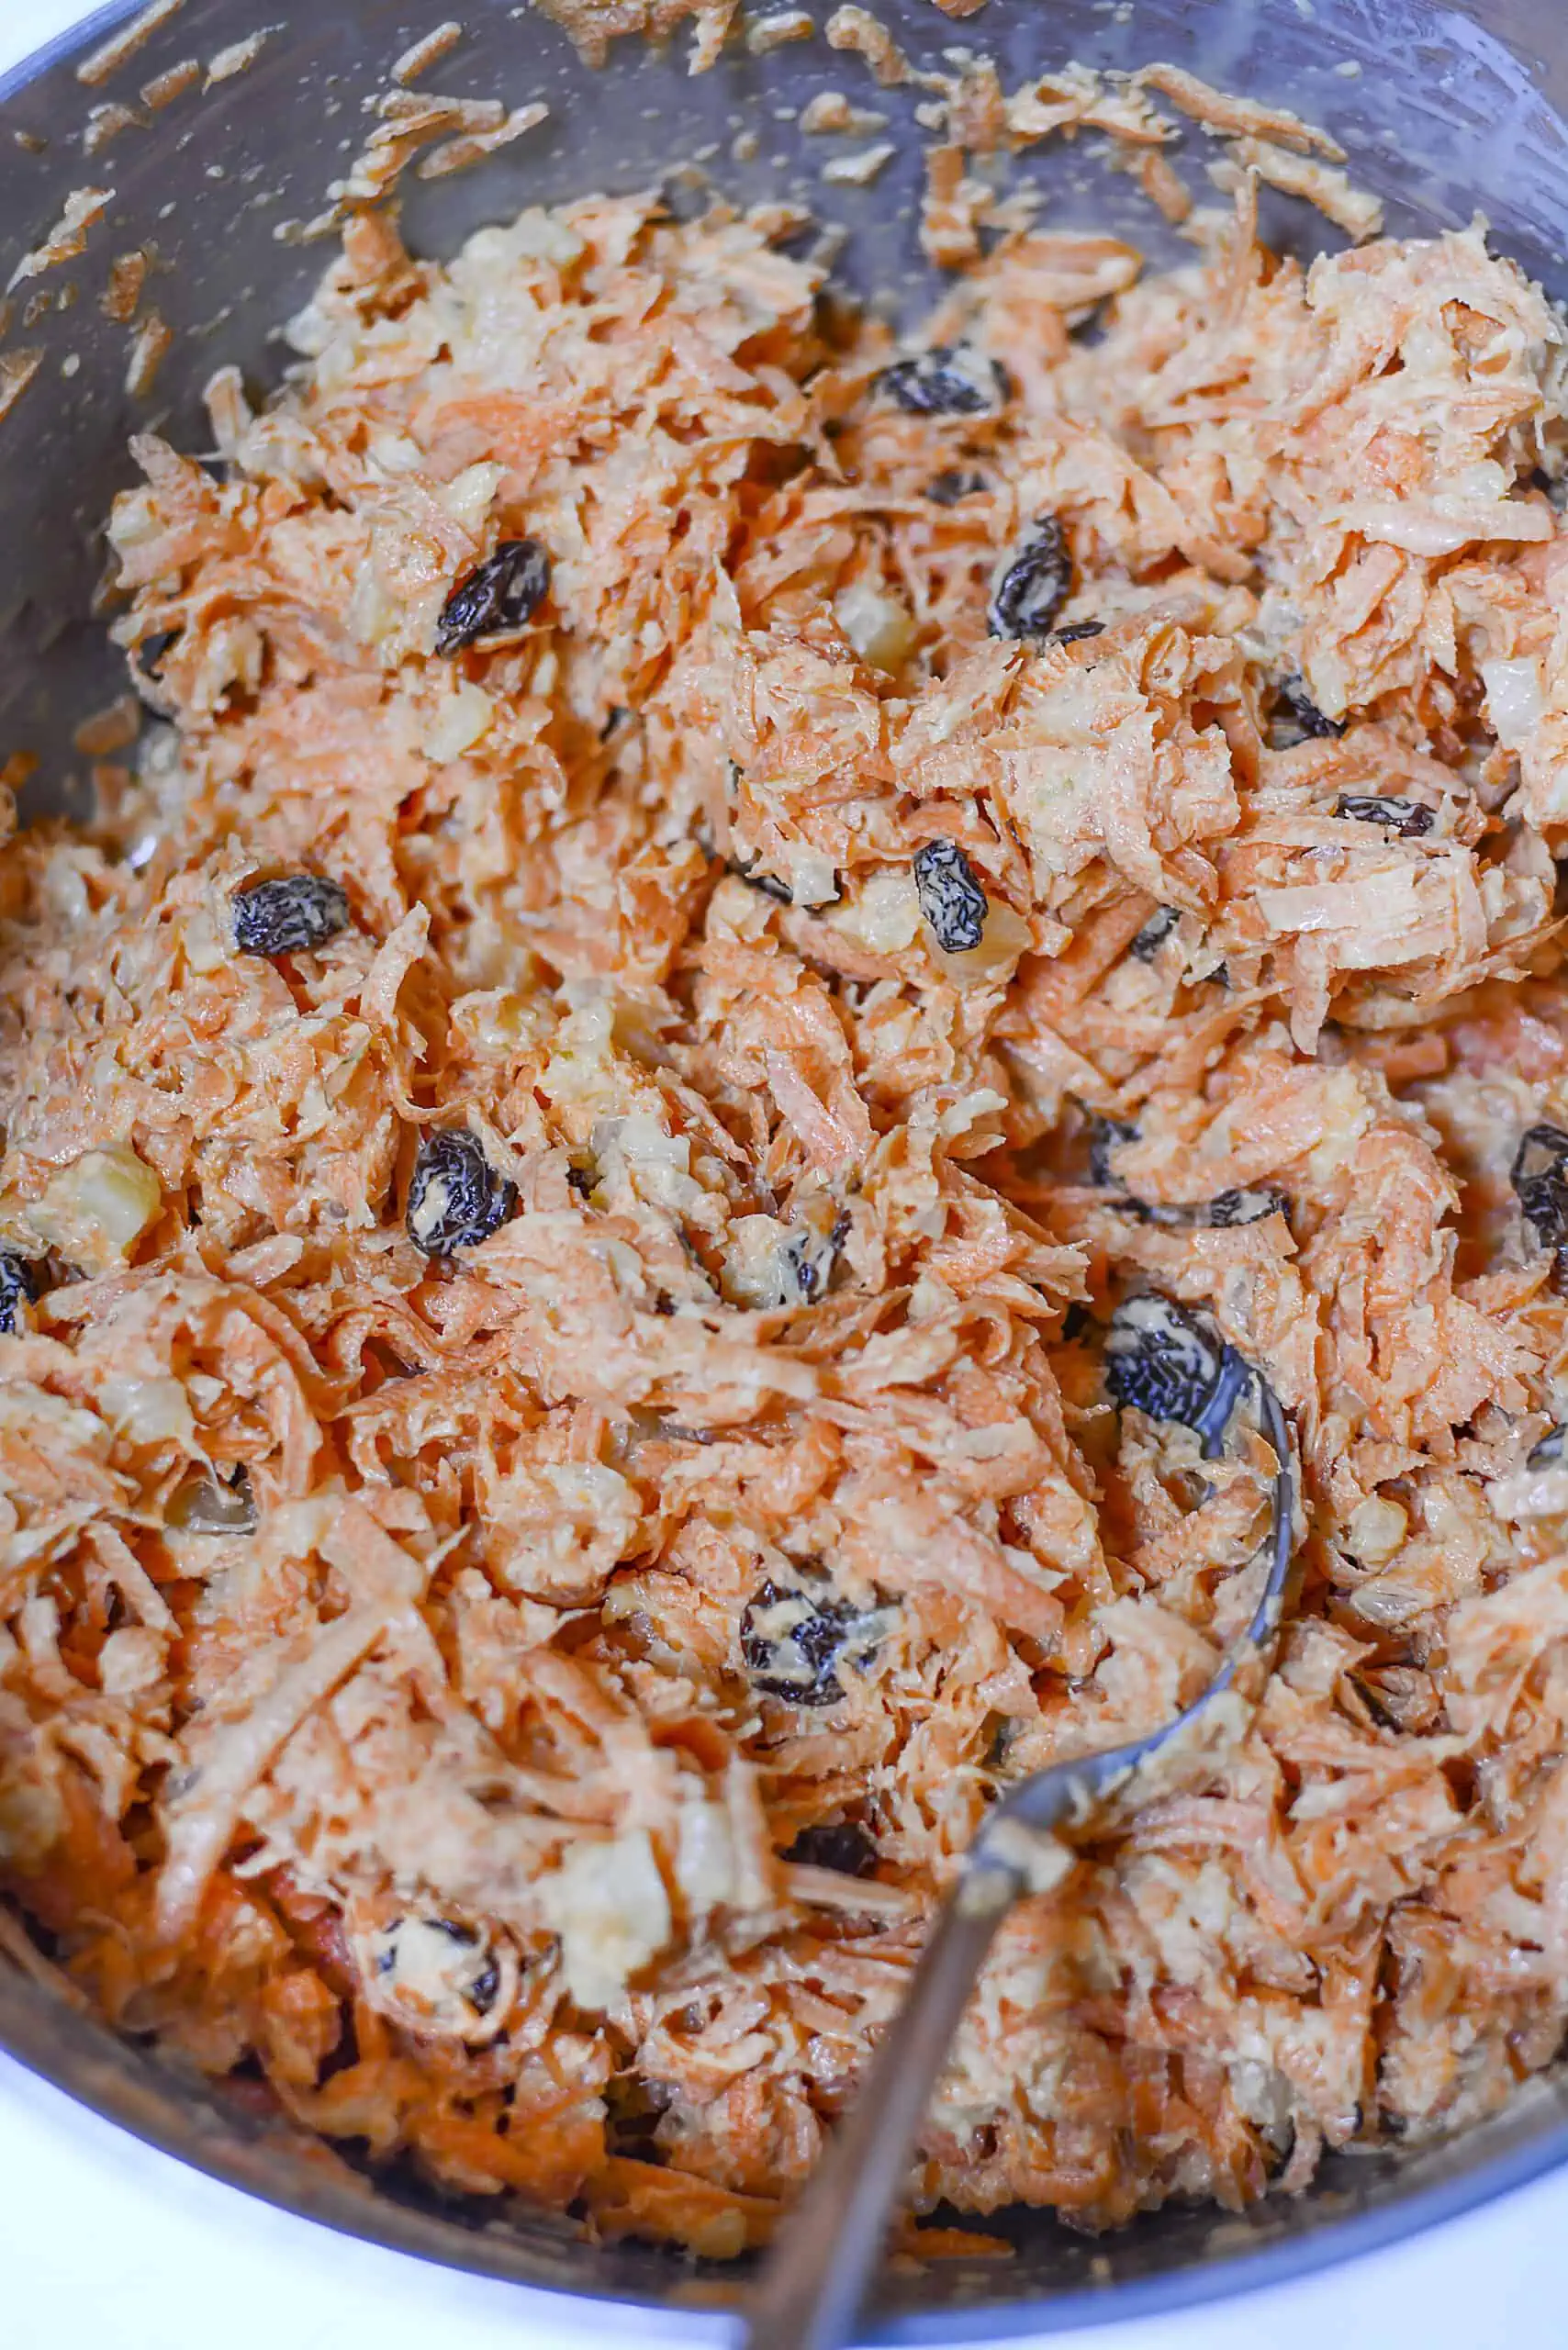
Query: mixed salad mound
[(712, 891)]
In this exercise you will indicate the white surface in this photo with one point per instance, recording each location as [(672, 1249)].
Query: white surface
[(105, 2243)]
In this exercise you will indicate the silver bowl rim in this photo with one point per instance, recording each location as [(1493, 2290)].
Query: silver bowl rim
[(392, 2226)]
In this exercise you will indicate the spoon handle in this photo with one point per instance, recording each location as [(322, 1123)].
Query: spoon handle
[(814, 2280)]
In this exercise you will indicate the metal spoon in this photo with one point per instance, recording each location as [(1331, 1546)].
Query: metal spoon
[(815, 2277)]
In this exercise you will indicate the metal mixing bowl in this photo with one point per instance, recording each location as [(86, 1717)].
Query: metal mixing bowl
[(1451, 111)]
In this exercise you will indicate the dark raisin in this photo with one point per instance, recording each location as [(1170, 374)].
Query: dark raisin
[(1406, 817), (289, 914), (1247, 1206), (501, 595), (951, 379), (401, 1953), (1549, 1451), (456, 1198), (1370, 1688), (1076, 633), (1299, 716), (1104, 1135), (635, 2108), (794, 1643), (1160, 1360), (1540, 1178), (18, 1288), (1000, 1734), (1033, 586), (767, 884), (951, 898), (468, 1936), (841, 1845), (148, 654), (959, 482), (1155, 933), (802, 1269), (581, 1180)]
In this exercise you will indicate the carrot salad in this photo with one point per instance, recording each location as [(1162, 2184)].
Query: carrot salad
[(712, 891)]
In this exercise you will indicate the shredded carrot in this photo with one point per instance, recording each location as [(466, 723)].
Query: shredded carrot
[(559, 1458)]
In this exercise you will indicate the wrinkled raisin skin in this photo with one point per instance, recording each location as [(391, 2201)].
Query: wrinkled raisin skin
[(18, 1287), (1303, 713), (466, 1937), (814, 1273), (956, 484), (1033, 588), (1249, 1204), (1155, 933), (481, 1993), (148, 654), (1540, 1178), (293, 913), (1106, 1134), (951, 898), (820, 1637), (948, 380), (1406, 817), (501, 594), (1160, 1360), (1076, 633), (803, 1267), (843, 1846), (478, 1200)]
